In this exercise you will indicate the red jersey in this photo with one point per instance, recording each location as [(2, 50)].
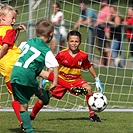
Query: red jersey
[(129, 33), (70, 67), (7, 35)]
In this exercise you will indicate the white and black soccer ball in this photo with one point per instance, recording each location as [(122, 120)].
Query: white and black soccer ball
[(98, 102)]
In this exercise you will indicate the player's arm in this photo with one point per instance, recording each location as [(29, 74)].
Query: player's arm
[(97, 80), (93, 72), (51, 63), (3, 50), (20, 27)]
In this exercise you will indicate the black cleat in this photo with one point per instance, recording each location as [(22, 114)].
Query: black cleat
[(79, 91), (22, 128), (95, 118)]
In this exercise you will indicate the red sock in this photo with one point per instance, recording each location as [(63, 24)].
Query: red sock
[(60, 81), (37, 107), (15, 104), (16, 107), (91, 111)]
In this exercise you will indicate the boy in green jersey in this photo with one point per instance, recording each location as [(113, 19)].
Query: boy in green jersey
[(34, 56)]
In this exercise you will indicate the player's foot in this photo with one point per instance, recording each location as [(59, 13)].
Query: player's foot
[(95, 118), (79, 91), (32, 118), (22, 128)]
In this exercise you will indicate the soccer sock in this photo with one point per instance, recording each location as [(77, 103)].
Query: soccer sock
[(15, 104), (26, 122), (16, 107), (37, 107), (60, 81), (91, 111)]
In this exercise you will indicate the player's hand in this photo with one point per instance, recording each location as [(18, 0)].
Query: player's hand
[(21, 27), (99, 85), (52, 87)]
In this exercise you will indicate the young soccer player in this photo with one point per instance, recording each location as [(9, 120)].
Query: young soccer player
[(35, 54), (8, 49), (71, 61)]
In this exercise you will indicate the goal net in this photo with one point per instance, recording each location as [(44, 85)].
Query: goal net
[(117, 79)]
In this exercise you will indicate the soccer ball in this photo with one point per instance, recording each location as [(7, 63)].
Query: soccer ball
[(98, 102)]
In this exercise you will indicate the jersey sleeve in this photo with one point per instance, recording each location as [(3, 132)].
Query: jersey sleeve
[(50, 60), (86, 63), (9, 38), (59, 57)]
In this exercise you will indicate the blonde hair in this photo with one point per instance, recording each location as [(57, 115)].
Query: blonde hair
[(4, 9), (44, 28)]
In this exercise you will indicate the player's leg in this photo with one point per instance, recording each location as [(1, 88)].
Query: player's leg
[(93, 116), (5, 70), (23, 95), (44, 97), (49, 76), (15, 104), (83, 84), (58, 93)]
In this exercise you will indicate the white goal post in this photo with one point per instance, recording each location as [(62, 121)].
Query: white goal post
[(117, 81)]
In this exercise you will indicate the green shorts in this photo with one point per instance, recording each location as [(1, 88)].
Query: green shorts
[(23, 93)]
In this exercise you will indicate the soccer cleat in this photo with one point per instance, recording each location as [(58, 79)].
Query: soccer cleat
[(22, 128), (79, 91), (95, 118)]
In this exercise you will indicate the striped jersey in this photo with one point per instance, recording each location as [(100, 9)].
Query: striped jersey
[(70, 67)]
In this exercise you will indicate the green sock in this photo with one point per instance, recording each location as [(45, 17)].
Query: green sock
[(26, 122)]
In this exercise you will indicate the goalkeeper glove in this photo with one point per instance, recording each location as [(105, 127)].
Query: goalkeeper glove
[(46, 84), (99, 85)]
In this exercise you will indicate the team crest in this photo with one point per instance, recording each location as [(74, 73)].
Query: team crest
[(79, 63)]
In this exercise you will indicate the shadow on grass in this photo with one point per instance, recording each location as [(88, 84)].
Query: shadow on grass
[(14, 130), (81, 118), (17, 130)]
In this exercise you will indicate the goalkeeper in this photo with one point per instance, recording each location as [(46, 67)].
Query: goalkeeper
[(71, 61)]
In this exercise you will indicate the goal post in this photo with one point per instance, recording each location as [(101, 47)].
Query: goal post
[(117, 81)]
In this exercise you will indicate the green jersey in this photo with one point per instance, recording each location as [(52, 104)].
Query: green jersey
[(30, 63)]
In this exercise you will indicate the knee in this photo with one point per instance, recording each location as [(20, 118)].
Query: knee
[(90, 92), (44, 96)]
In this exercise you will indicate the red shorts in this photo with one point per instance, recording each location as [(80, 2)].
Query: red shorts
[(60, 91)]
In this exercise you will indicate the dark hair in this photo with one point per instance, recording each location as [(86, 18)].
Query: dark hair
[(84, 1), (105, 1), (74, 33), (57, 5)]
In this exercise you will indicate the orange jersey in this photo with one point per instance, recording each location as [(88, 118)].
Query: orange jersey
[(70, 67), (7, 36)]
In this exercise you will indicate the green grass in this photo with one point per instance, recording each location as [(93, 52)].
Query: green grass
[(71, 122), (77, 122)]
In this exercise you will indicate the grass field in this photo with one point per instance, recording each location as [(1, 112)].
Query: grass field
[(71, 122), (78, 122)]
